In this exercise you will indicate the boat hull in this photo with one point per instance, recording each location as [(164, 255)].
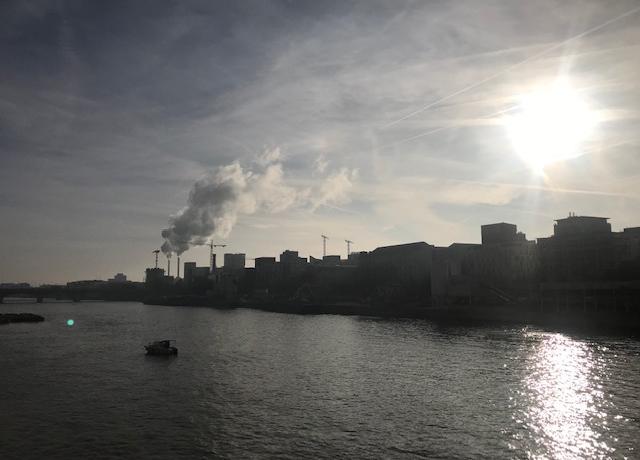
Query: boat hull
[(157, 351)]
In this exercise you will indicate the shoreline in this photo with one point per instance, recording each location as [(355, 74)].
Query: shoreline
[(522, 315), (563, 319)]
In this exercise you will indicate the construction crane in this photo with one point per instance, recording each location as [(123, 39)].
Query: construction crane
[(211, 261), (349, 243), (156, 252), (324, 245)]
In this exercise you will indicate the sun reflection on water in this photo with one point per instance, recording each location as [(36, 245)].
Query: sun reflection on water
[(562, 405)]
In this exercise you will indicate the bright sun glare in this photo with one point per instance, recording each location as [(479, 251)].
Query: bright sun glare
[(550, 125)]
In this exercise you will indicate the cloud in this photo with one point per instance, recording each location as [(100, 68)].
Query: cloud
[(270, 156), (334, 190), (320, 164), (217, 201)]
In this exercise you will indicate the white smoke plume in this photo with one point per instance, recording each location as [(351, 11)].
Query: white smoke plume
[(216, 201)]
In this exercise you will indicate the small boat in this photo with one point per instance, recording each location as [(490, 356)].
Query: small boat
[(161, 347)]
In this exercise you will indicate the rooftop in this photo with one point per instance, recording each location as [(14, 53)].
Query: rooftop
[(574, 217)]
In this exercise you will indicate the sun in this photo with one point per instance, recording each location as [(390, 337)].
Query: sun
[(549, 125)]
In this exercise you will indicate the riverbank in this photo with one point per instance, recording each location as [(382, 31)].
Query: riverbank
[(603, 320)]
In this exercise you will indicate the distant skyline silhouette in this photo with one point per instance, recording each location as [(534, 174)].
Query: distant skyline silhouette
[(377, 122)]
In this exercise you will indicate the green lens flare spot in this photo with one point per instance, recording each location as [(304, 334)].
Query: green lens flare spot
[(70, 322)]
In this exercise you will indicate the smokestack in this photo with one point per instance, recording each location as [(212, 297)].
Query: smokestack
[(178, 267), (168, 266), (213, 263)]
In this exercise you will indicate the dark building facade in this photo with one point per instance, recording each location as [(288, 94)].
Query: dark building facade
[(331, 261), (583, 259), (234, 262), (400, 273), (154, 275), (500, 233), (581, 249), (505, 259), (265, 272), (627, 253)]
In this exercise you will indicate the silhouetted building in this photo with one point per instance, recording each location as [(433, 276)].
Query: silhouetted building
[(234, 262), (265, 272), (291, 263), (194, 275), (503, 267), (581, 249), (265, 262), (577, 226), (314, 261), (583, 259), (401, 272), (500, 233), (627, 254), (187, 272), (505, 260), (86, 284), (154, 276), (330, 261), (451, 280), (201, 273), (118, 278), (330, 283), (291, 258), (355, 257)]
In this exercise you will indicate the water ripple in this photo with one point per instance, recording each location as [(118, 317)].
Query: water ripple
[(255, 384)]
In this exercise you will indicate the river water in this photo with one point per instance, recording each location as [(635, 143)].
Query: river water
[(249, 384)]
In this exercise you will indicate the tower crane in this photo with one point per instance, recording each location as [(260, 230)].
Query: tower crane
[(349, 243), (211, 261), (324, 245)]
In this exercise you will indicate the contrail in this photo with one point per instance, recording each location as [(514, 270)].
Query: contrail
[(546, 188), (442, 128), (510, 68)]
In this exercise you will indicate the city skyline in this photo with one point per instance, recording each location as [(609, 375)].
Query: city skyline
[(175, 268), (372, 122)]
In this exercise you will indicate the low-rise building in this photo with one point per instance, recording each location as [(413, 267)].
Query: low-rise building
[(331, 261), (118, 278), (402, 271), (505, 259), (291, 263), (451, 282), (500, 233), (354, 258)]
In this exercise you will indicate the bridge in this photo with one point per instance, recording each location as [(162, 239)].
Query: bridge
[(107, 292)]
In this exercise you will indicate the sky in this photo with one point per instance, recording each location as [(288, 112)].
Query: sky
[(269, 123)]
